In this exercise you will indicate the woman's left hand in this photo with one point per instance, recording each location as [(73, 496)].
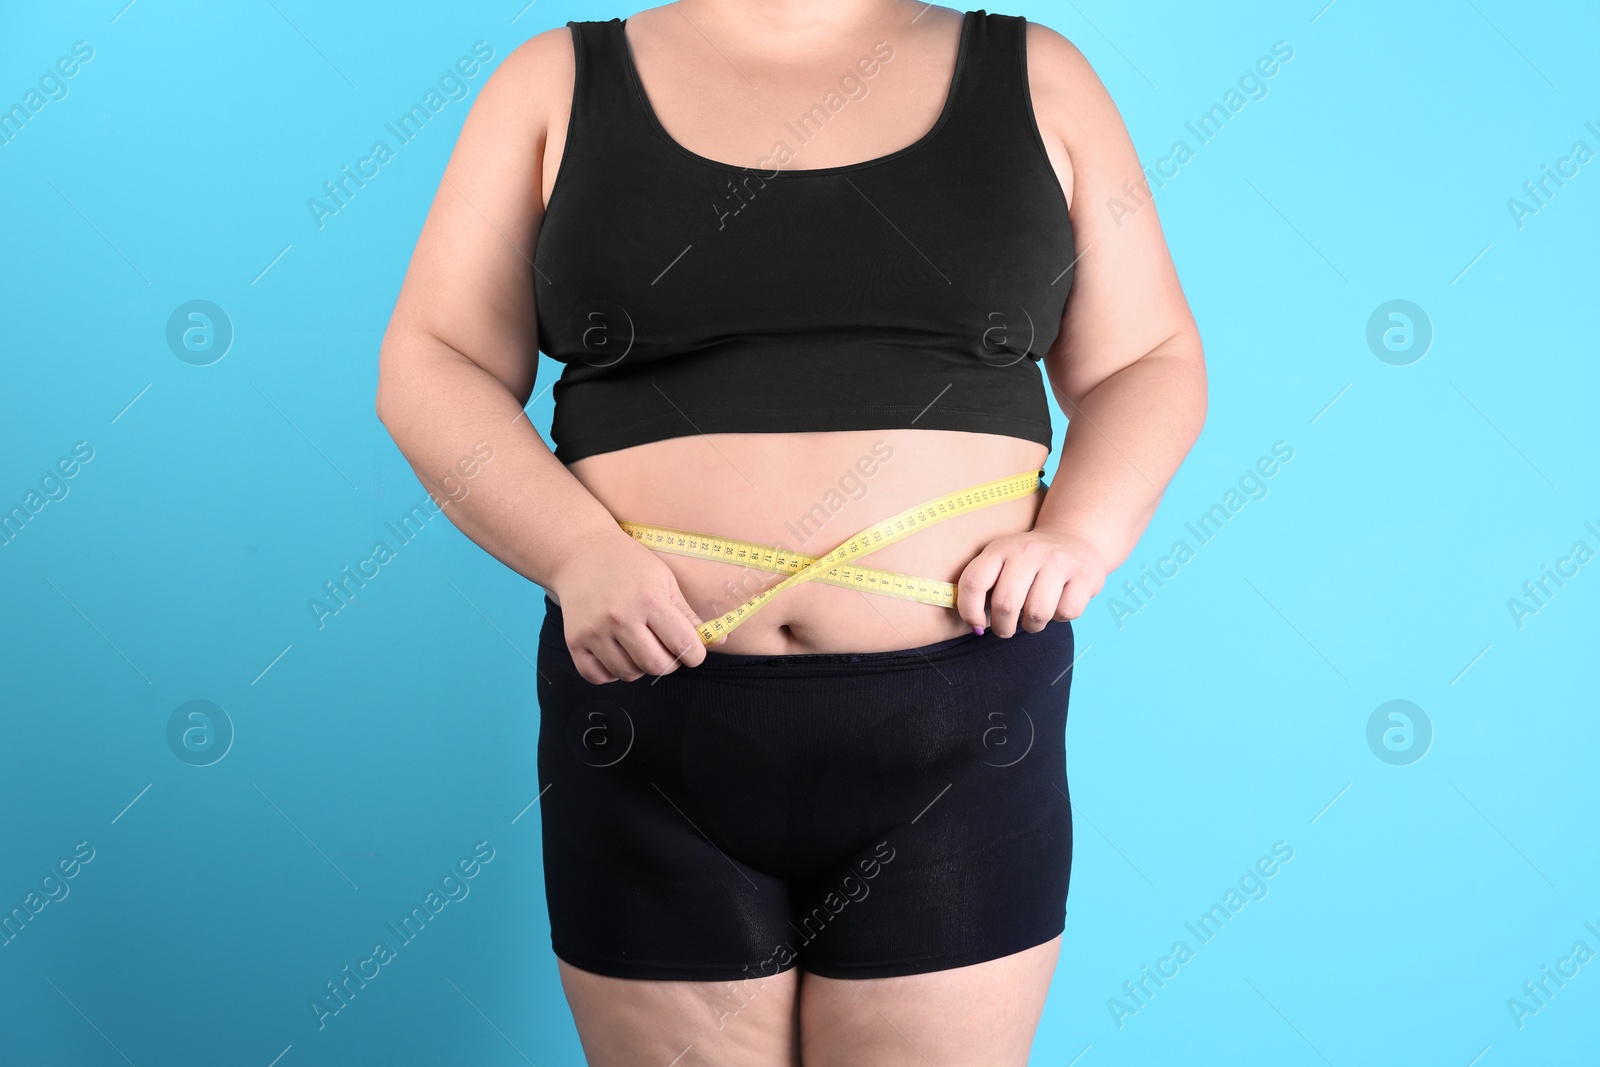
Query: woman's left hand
[(1038, 575)]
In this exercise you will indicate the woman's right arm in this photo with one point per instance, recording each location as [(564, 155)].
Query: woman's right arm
[(457, 365)]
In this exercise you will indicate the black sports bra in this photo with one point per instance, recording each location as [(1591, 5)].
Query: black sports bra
[(916, 290)]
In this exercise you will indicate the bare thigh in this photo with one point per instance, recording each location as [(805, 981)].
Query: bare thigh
[(626, 1022), (986, 1013)]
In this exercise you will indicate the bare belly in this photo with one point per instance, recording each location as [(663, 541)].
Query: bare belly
[(808, 492)]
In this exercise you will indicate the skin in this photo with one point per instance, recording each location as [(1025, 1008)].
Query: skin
[(457, 367)]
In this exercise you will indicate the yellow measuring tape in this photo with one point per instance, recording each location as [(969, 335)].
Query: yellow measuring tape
[(833, 568)]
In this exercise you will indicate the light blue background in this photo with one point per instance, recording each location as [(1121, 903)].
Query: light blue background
[(1229, 713)]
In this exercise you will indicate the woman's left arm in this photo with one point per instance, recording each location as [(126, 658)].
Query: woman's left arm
[(1127, 366)]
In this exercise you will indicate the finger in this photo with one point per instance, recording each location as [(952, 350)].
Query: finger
[(589, 667), (1075, 598), (646, 650), (1044, 597), (1009, 592), (634, 651), (680, 648), (677, 626), (974, 585), (616, 659)]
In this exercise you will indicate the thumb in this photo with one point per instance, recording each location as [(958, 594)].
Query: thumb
[(693, 616)]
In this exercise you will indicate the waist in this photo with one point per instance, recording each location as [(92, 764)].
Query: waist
[(808, 493)]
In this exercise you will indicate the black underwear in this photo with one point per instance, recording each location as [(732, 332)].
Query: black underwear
[(860, 815)]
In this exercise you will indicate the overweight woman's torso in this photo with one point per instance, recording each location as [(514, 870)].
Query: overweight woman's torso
[(805, 491)]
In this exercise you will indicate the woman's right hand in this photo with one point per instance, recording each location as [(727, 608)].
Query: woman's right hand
[(623, 613)]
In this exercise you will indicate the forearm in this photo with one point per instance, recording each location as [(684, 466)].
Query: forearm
[(522, 506), (1125, 440)]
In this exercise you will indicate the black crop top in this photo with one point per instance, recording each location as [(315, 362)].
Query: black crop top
[(917, 290)]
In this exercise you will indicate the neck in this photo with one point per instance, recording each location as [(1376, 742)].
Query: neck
[(796, 26)]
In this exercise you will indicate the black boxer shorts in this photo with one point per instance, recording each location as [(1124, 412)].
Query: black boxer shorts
[(860, 815)]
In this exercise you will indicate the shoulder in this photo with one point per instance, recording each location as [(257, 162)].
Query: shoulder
[(544, 60), (1069, 98), (1082, 130), (1050, 49), (534, 83), (536, 71)]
